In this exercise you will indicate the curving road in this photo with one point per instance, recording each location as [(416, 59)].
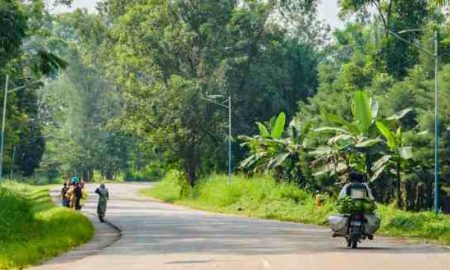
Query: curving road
[(157, 236)]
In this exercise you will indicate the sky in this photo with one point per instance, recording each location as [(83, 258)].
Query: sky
[(327, 10)]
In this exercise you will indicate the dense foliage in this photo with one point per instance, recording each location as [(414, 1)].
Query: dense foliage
[(132, 97)]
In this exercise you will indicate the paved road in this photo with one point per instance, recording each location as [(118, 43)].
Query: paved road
[(161, 236)]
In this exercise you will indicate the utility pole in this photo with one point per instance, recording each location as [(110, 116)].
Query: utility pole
[(210, 98), (436, 123), (434, 54), (2, 143), (5, 100), (229, 139)]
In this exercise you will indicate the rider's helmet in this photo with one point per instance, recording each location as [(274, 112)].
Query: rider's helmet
[(75, 180), (356, 177)]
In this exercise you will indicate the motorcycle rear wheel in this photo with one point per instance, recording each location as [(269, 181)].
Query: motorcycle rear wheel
[(354, 242)]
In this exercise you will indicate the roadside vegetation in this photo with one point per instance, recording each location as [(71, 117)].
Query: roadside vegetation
[(139, 87), (264, 197), (33, 228)]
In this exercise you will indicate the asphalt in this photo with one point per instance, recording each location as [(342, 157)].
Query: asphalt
[(148, 234)]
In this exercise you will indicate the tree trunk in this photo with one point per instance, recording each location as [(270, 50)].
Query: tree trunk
[(399, 186), (109, 174), (91, 174), (191, 163), (85, 175)]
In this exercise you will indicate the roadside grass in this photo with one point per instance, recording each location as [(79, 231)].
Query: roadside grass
[(257, 197), (422, 225), (33, 228), (262, 196)]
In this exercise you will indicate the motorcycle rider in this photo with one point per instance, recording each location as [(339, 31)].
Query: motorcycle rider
[(356, 189)]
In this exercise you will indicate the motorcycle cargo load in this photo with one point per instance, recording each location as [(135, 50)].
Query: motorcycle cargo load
[(339, 224), (372, 224)]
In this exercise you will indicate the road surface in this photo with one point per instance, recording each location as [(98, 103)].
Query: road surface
[(158, 236)]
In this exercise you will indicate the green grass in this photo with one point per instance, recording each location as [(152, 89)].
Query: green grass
[(32, 228), (262, 196), (257, 197)]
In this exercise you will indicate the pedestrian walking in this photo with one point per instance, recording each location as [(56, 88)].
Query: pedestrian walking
[(103, 197), (78, 196), (64, 196)]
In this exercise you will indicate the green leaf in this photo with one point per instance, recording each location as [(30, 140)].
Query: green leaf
[(399, 115), (322, 150), (362, 112), (278, 160), (262, 130), (331, 129), (367, 143), (388, 134), (381, 162), (377, 173), (251, 160), (340, 137), (278, 127), (405, 152), (338, 120)]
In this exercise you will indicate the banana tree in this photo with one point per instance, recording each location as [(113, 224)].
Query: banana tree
[(352, 142), (396, 157), (269, 151)]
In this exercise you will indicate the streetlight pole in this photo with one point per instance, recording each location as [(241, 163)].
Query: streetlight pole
[(434, 54), (5, 99), (229, 139), (210, 98), (2, 143), (436, 124)]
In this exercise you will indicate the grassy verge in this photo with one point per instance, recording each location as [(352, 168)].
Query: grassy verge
[(265, 198), (32, 228)]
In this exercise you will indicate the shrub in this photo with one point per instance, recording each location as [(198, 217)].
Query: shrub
[(172, 187)]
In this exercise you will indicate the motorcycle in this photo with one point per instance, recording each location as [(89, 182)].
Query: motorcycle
[(355, 230), (354, 227)]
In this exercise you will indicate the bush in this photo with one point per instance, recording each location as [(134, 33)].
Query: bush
[(260, 196), (32, 228), (149, 173), (174, 186)]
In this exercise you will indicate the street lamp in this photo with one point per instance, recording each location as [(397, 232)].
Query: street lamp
[(5, 98), (434, 54), (211, 98)]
